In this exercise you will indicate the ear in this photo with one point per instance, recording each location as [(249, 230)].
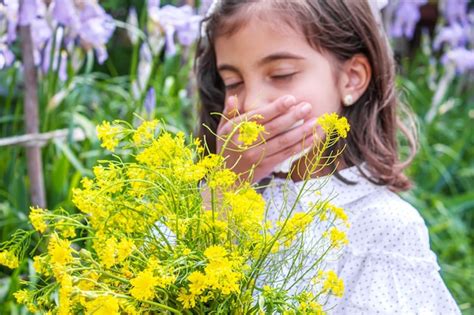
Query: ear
[(355, 78)]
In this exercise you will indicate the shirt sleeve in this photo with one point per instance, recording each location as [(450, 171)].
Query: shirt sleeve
[(389, 268)]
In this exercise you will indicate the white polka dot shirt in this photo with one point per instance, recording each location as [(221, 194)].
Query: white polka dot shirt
[(387, 267)]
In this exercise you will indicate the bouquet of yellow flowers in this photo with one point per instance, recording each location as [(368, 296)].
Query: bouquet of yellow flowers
[(146, 240)]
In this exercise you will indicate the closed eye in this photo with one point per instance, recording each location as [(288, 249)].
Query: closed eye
[(283, 76), (232, 86)]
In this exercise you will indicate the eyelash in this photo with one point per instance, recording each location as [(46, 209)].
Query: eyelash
[(275, 77)]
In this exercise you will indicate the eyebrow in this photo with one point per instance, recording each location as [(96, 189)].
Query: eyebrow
[(263, 61)]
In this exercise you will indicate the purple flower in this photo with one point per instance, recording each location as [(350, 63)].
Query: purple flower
[(28, 12), (407, 15), (10, 13), (189, 32), (153, 4), (175, 21), (58, 57), (462, 58), (64, 12), (132, 19), (454, 35), (96, 29), (6, 56), (150, 100), (89, 22), (455, 11), (42, 33)]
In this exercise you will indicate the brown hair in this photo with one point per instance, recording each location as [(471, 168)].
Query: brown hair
[(343, 29)]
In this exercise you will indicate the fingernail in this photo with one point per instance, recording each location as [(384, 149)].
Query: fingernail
[(306, 109), (289, 100)]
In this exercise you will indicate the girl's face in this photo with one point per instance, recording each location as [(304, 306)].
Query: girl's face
[(261, 62)]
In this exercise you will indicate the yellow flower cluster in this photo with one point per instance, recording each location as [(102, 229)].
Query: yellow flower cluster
[(8, 259), (143, 286), (60, 254), (145, 133), (337, 237), (145, 239), (23, 297), (103, 305), (295, 225), (331, 282), (218, 278), (309, 304), (109, 135), (249, 131), (245, 212), (222, 179), (37, 219), (332, 123)]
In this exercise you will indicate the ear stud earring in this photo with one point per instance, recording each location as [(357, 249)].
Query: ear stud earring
[(348, 100)]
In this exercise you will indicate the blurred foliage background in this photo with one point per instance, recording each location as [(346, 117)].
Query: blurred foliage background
[(145, 75)]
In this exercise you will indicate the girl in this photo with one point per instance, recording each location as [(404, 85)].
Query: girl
[(292, 61)]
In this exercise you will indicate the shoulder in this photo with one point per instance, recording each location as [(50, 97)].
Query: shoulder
[(384, 222), (388, 266), (384, 208)]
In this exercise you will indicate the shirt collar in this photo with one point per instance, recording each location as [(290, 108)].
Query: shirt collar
[(338, 192)]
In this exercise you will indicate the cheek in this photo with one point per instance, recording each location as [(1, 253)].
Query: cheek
[(321, 93)]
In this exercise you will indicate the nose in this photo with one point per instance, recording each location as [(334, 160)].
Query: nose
[(256, 95)]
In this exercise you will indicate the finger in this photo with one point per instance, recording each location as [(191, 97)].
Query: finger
[(288, 121), (291, 138), (281, 156), (268, 112), (280, 106)]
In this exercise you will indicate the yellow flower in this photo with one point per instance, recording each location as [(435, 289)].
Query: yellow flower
[(197, 282), (8, 259), (21, 296), (331, 123), (143, 286), (249, 131), (107, 134), (66, 230), (59, 250), (145, 132), (39, 264), (65, 291), (296, 224), (339, 213), (198, 146), (223, 179), (166, 149), (215, 253), (187, 300), (337, 237), (103, 305), (37, 219), (124, 249), (211, 161), (334, 284), (247, 209)]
